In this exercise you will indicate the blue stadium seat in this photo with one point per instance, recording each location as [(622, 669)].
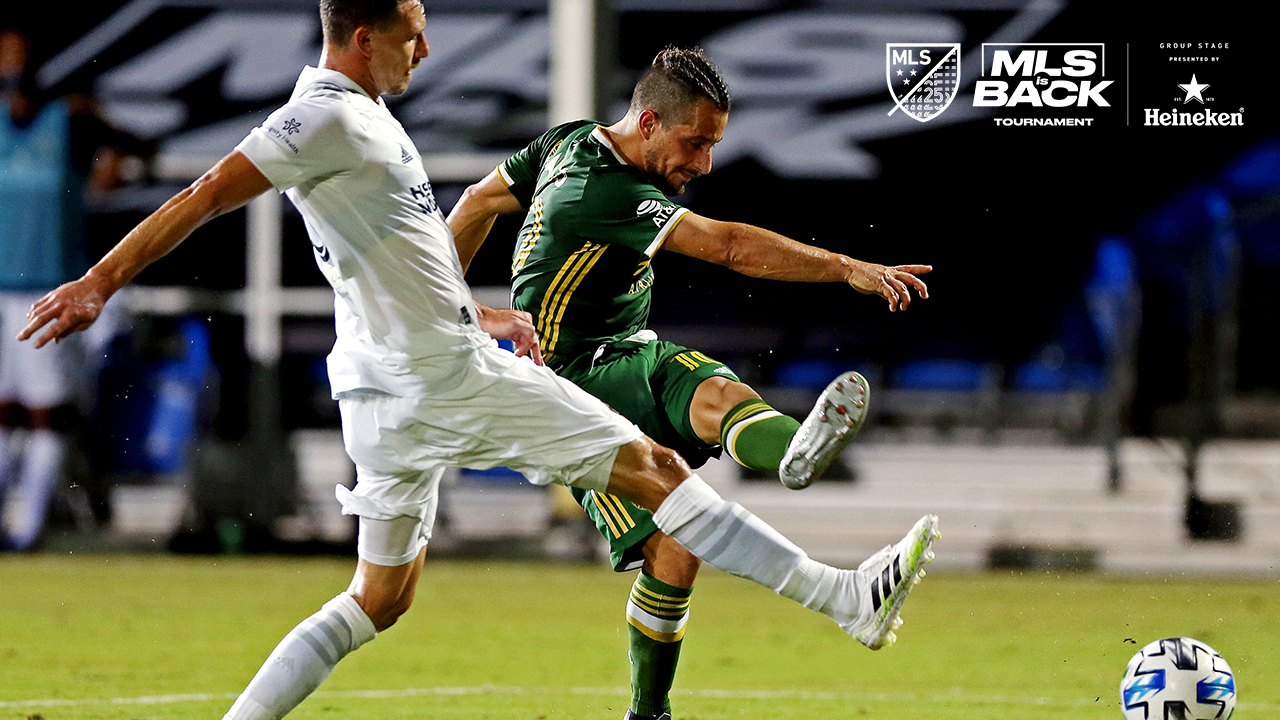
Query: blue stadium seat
[(1255, 174), (807, 373), (942, 374)]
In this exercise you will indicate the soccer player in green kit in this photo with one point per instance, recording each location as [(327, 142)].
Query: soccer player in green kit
[(597, 213)]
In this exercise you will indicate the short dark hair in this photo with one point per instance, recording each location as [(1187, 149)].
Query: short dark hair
[(677, 78), (340, 18)]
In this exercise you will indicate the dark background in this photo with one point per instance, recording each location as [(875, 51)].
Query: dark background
[(1009, 217)]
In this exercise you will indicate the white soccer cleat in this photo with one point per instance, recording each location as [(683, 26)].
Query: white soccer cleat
[(887, 578), (831, 425)]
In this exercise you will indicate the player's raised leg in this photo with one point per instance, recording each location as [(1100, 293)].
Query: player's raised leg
[(730, 414), (757, 436), (865, 602)]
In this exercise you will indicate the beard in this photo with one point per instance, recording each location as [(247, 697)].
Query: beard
[(657, 179)]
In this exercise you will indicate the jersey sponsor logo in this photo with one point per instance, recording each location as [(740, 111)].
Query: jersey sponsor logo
[(648, 206), (644, 273), (661, 213), (291, 126), (642, 284), (1043, 75), (424, 198), (282, 136), (923, 78)]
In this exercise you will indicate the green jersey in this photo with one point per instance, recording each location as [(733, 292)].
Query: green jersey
[(581, 265)]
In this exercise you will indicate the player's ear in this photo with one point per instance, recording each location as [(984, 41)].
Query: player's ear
[(362, 39), (647, 123)]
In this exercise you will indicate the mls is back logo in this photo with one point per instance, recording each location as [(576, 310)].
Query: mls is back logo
[(923, 78)]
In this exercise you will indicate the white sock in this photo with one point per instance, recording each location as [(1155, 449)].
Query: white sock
[(37, 477), (303, 659), (727, 536)]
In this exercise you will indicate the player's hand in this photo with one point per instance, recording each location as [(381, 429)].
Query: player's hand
[(69, 309), (891, 283), (514, 325)]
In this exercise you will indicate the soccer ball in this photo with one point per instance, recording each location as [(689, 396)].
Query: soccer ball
[(1178, 679)]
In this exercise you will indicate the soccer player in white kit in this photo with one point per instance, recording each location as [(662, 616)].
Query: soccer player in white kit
[(420, 382)]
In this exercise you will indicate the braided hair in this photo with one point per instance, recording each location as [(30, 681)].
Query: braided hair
[(677, 78)]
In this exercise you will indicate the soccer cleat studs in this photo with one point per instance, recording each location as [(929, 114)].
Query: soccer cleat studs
[(833, 422)]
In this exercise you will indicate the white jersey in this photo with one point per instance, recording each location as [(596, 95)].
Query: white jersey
[(402, 310)]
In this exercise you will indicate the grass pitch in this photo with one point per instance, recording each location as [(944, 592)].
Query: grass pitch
[(122, 638)]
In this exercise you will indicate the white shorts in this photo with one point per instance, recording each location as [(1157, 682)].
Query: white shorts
[(502, 411), (44, 378)]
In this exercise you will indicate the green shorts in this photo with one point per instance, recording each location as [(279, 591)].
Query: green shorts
[(652, 385)]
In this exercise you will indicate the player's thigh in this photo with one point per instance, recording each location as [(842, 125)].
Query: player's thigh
[(678, 376), (498, 410), (541, 425)]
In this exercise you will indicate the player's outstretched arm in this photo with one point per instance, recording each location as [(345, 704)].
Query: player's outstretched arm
[(764, 254), (74, 306), (472, 218)]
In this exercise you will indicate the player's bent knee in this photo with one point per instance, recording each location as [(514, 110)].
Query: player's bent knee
[(646, 472)]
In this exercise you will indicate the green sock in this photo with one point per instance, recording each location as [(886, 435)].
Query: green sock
[(656, 614), (756, 435)]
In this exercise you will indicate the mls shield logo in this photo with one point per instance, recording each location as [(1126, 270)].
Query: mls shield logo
[(923, 78)]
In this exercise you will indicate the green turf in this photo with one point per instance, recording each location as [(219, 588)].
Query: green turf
[(521, 640)]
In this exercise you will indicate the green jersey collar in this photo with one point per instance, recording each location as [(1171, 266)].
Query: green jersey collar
[(600, 137)]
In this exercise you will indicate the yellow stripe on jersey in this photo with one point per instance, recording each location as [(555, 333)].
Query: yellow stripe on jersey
[(559, 304), (616, 505), (530, 239), (549, 300), (609, 519)]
